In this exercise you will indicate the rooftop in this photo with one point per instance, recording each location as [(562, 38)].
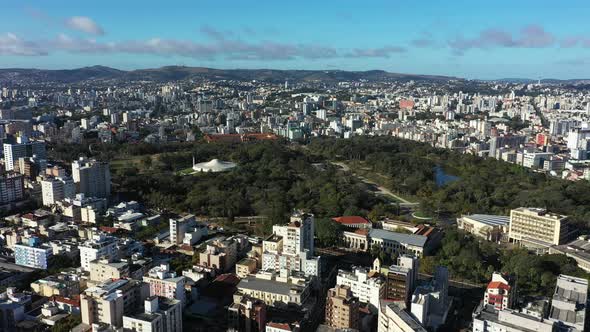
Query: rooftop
[(351, 220), (488, 219), (409, 239), (270, 286)]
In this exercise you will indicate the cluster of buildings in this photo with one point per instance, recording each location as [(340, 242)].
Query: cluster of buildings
[(105, 275), (564, 311)]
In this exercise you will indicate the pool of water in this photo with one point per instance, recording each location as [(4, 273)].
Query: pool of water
[(442, 178)]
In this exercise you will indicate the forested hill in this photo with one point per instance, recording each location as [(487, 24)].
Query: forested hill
[(176, 73)]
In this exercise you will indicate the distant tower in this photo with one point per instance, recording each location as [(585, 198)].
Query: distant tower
[(286, 84), (377, 265)]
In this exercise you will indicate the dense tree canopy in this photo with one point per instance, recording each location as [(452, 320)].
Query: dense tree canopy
[(271, 180), (483, 185)]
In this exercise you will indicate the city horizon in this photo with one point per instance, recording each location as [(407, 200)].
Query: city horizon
[(484, 41), (450, 76)]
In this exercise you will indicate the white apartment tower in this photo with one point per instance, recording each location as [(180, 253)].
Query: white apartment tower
[(100, 246), (55, 189)]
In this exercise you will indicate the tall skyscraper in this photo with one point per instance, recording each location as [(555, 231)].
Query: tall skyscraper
[(92, 177), (22, 149)]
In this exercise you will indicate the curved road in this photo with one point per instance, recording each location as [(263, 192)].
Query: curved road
[(380, 190)]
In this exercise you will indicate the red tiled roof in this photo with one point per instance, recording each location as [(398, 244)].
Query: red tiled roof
[(185, 247), (498, 285), (228, 278), (108, 229), (237, 138), (282, 326), (424, 230), (351, 220), (72, 302)]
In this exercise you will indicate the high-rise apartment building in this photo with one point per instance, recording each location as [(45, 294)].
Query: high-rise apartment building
[(342, 309), (55, 189), (92, 177), (12, 188), (165, 283), (401, 279), (108, 302), (21, 149), (99, 246), (291, 246), (367, 286)]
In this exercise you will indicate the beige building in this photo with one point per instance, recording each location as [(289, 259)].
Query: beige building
[(357, 240), (108, 302), (538, 224), (59, 285), (274, 290), (245, 267), (220, 255), (103, 270), (342, 309), (489, 227)]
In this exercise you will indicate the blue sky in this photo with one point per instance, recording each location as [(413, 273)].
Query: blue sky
[(472, 39)]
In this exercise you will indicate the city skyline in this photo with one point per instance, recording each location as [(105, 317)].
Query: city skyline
[(482, 41)]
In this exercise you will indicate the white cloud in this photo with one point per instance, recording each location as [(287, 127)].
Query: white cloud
[(11, 44), (84, 24), (221, 48)]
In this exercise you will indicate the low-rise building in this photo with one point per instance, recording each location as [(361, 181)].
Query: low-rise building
[(500, 292), (398, 242), (489, 227), (353, 222), (487, 319), (570, 302), (245, 267), (220, 255), (64, 285), (275, 290)]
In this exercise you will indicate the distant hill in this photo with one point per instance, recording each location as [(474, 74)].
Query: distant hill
[(175, 73), (544, 80)]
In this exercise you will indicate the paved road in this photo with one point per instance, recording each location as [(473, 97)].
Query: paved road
[(455, 283), (380, 190)]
